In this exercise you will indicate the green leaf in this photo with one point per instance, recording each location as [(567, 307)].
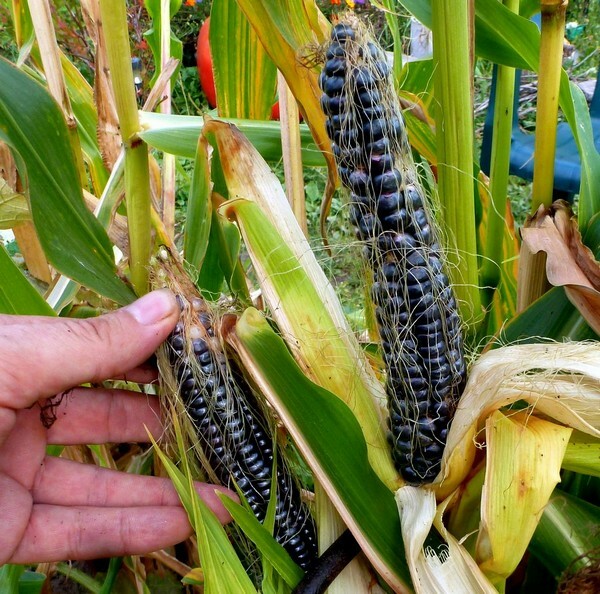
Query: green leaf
[(152, 36), (245, 76), (17, 294), (229, 252), (178, 135), (72, 239), (223, 571), (309, 326), (582, 454), (9, 578), (210, 278), (568, 529), (552, 316), (500, 35), (331, 440), (505, 37), (81, 96), (31, 582), (576, 110), (266, 544), (199, 208)]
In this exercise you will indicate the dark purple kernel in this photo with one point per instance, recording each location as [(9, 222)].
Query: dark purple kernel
[(335, 50), (342, 33), (332, 85), (387, 182), (335, 66), (389, 202), (368, 98)]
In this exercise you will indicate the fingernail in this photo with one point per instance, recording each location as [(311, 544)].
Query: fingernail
[(153, 307)]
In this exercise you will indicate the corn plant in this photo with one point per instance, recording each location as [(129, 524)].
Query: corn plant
[(493, 420)]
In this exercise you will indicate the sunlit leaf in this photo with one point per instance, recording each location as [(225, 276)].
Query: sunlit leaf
[(13, 207), (222, 570), (331, 440), (178, 135), (320, 347), (73, 240), (245, 76), (265, 543)]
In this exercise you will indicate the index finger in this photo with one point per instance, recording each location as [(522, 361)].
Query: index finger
[(40, 356)]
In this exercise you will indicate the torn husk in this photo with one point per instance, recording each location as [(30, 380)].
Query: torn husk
[(560, 381), (447, 568)]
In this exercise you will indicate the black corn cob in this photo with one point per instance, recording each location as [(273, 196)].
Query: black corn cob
[(234, 434), (416, 311)]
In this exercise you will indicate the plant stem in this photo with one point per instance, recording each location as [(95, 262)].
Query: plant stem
[(551, 52), (137, 179), (499, 171), (532, 282), (168, 165), (453, 54), (290, 148)]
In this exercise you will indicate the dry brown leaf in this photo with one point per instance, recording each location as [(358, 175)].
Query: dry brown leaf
[(109, 137), (570, 263)]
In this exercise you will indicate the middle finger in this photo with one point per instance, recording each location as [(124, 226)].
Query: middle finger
[(98, 415)]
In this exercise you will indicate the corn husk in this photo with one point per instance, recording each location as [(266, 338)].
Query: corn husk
[(452, 571), (524, 456), (560, 381)]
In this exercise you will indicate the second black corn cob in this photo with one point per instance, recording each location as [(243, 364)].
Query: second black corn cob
[(234, 435), (416, 310)]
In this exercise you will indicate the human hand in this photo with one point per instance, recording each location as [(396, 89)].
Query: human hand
[(53, 509)]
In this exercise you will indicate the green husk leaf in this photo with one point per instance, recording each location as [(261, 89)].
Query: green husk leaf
[(178, 135), (17, 294), (330, 438), (440, 566), (72, 239), (524, 455), (583, 454), (199, 208), (223, 571), (262, 538), (312, 334)]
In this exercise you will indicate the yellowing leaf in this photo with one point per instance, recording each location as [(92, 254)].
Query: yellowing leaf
[(524, 456)]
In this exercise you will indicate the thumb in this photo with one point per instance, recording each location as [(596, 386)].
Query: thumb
[(42, 356)]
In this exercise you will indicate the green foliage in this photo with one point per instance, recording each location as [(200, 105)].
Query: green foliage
[(327, 431), (74, 241)]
